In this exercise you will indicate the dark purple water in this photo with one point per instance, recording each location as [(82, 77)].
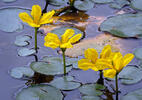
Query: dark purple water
[(9, 58)]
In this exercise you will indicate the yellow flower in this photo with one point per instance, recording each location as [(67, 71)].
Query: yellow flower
[(91, 60), (66, 41), (118, 63), (36, 19)]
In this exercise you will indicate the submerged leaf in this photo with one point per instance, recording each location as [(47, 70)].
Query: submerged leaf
[(118, 4), (138, 53), (136, 4), (26, 52), (102, 1)]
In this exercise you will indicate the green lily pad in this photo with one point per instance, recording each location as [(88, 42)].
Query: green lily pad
[(40, 92), (91, 98), (69, 61), (49, 67), (26, 52), (118, 4), (130, 75), (22, 40), (8, 0), (138, 53), (10, 21), (83, 5), (102, 1), (57, 2), (66, 83), (91, 89), (124, 25), (60, 31), (136, 4), (19, 72), (135, 95)]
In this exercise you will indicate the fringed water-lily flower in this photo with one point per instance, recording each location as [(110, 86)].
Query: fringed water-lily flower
[(67, 39), (91, 60), (118, 63), (53, 41), (36, 19)]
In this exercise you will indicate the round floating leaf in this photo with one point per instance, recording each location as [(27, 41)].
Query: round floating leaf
[(138, 53), (8, 0), (65, 83), (91, 89), (39, 92), (102, 1), (10, 21), (20, 72), (130, 75), (135, 95), (136, 4), (61, 31), (83, 5), (22, 40), (118, 4), (124, 25), (26, 52), (91, 98), (57, 2), (50, 67)]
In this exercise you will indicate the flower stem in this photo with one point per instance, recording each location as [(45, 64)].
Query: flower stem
[(36, 39), (116, 86), (64, 60), (101, 79)]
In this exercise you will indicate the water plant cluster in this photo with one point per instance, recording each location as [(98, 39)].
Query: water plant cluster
[(50, 75)]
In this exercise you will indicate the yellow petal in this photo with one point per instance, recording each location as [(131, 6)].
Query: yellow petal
[(102, 64), (66, 45), (109, 73), (46, 18), (106, 52), (91, 54), (25, 17), (51, 45), (84, 64), (51, 37), (75, 38), (68, 34), (127, 58), (118, 64), (36, 13)]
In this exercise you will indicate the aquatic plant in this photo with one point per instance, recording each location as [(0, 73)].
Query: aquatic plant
[(52, 40), (36, 19)]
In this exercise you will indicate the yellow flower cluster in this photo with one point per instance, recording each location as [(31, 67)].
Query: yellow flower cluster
[(110, 62), (36, 19), (52, 40)]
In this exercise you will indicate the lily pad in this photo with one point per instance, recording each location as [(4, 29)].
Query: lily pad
[(135, 95), (26, 52), (91, 89), (10, 21), (19, 72), (83, 5), (57, 2), (40, 92), (60, 31), (49, 67), (22, 40), (130, 75), (66, 83), (138, 53), (102, 1), (97, 43), (69, 61), (91, 98), (8, 0), (118, 4), (124, 25), (136, 4)]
